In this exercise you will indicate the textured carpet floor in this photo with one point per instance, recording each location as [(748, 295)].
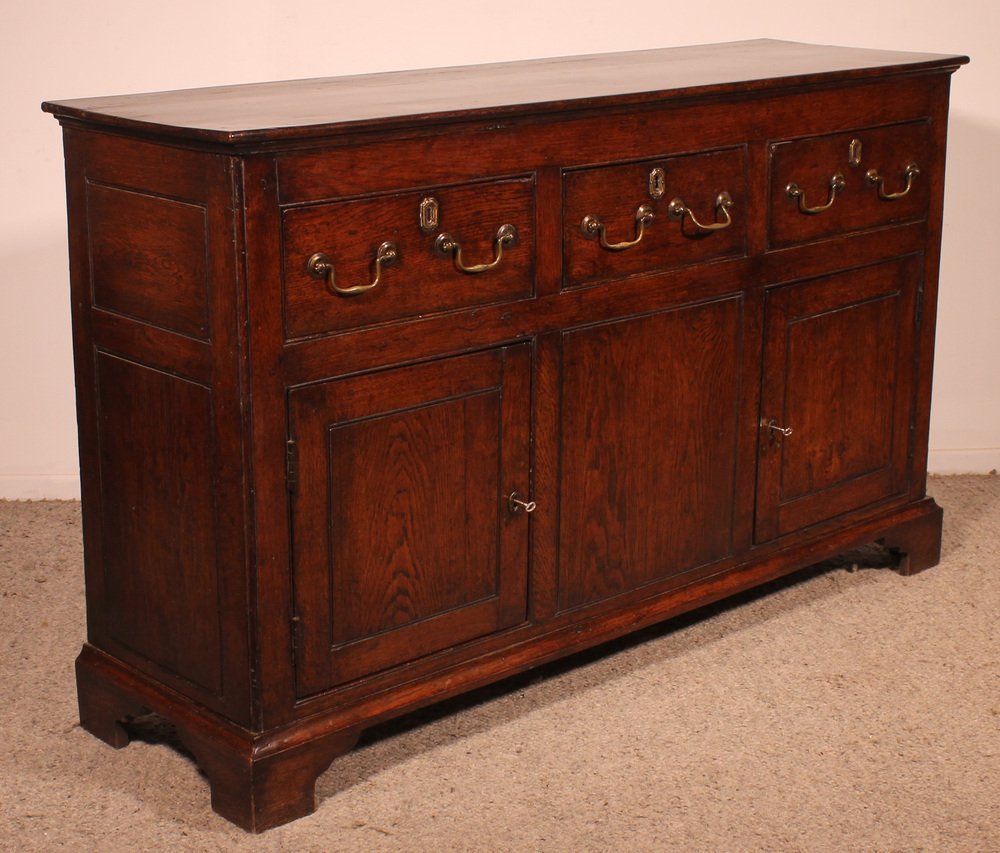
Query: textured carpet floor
[(839, 712)]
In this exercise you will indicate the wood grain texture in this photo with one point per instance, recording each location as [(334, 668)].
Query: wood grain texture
[(613, 194), (298, 108), (333, 473), (400, 513), (421, 281), (158, 520), (812, 163), (436, 154), (649, 430), (196, 194), (838, 359), (388, 570), (257, 781), (928, 300), (149, 258)]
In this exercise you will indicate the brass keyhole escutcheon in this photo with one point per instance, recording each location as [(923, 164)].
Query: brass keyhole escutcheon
[(657, 183), (854, 152), (429, 214)]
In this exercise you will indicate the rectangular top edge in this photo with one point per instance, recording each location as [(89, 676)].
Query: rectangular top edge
[(261, 112)]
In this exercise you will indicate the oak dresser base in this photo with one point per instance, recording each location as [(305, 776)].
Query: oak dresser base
[(395, 386)]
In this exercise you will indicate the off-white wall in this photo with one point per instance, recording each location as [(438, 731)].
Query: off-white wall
[(58, 49)]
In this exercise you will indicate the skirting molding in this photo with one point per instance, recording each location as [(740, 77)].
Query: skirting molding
[(972, 461), (38, 487)]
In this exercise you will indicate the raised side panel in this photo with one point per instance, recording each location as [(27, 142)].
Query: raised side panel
[(149, 258), (648, 461), (158, 521)]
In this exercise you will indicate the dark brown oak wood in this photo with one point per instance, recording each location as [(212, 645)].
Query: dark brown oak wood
[(257, 781), (916, 542), (159, 514), (812, 164), (160, 415), (310, 107), (837, 358), (137, 241), (649, 427), (404, 543), (297, 514), (420, 280), (614, 194)]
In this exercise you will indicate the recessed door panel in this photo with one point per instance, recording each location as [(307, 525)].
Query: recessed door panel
[(403, 540), (837, 394), (649, 434)]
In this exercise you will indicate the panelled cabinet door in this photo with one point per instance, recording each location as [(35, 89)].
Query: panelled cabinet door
[(837, 394), (650, 421), (403, 540)]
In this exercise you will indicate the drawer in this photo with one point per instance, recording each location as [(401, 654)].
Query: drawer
[(828, 185), (629, 218), (358, 262)]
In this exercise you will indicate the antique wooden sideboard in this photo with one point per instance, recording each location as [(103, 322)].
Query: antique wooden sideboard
[(395, 385)]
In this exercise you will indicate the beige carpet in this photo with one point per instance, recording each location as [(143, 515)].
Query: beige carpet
[(843, 712)]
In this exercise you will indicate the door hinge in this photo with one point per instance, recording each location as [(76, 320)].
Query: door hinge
[(920, 305), (296, 624), (292, 465)]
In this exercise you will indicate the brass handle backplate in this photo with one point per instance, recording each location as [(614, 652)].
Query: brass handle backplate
[(320, 266), (723, 201), (910, 172), (516, 505), (837, 183), (593, 227), (446, 245)]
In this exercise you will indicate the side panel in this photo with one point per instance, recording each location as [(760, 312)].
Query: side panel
[(149, 258), (157, 354), (158, 520)]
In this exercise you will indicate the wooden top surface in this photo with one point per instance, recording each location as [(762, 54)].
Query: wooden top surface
[(306, 108)]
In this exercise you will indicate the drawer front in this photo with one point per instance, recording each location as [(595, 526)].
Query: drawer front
[(359, 262), (844, 182), (641, 217)]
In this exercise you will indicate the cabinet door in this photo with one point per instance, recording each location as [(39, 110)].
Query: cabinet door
[(403, 540), (838, 364), (648, 459)]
